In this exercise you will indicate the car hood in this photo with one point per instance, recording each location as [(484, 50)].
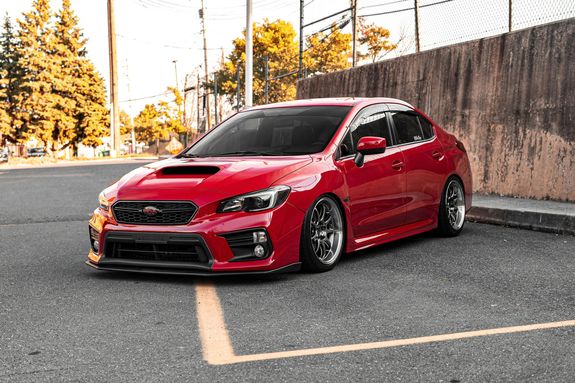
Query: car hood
[(205, 180)]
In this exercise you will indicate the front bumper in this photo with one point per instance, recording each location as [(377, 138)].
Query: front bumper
[(282, 225)]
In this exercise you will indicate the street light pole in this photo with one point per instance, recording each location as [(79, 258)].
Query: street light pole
[(249, 54), (176, 72)]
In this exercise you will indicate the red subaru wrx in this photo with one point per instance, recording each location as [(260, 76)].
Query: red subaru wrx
[(286, 186)]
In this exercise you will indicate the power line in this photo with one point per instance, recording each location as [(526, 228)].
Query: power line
[(382, 4), (328, 17), (405, 9), (144, 98), (161, 44)]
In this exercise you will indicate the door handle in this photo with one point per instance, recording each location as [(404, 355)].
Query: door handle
[(397, 165), (437, 155)]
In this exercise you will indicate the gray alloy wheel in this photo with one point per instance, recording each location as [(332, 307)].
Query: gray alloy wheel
[(455, 204), (326, 230), (452, 208), (323, 235)]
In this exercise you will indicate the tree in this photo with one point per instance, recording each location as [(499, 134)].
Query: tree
[(328, 52), (35, 101), (274, 40), (126, 124), (156, 122), (170, 114), (147, 124), (92, 116), (81, 105), (8, 81), (377, 41)]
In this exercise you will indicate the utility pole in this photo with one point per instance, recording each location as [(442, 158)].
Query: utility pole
[(267, 90), (132, 133), (249, 54), (238, 89), (198, 102), (115, 120), (416, 8), (185, 101), (510, 15), (300, 65), (203, 17), (216, 97), (353, 33)]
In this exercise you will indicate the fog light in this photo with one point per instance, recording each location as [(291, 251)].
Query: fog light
[(259, 251), (96, 246), (260, 237)]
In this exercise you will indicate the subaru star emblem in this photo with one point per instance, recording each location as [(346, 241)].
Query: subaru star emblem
[(151, 210)]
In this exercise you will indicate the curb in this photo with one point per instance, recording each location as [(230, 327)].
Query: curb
[(531, 220)]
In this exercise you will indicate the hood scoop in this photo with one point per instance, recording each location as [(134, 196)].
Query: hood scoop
[(195, 170)]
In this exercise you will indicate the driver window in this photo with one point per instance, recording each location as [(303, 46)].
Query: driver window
[(374, 124)]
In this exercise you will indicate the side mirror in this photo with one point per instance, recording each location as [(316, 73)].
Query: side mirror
[(369, 145)]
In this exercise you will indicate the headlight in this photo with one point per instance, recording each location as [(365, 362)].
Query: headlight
[(256, 201), (103, 201)]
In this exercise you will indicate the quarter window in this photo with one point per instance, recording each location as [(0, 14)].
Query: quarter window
[(426, 127), (346, 146)]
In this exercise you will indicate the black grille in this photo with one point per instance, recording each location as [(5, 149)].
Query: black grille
[(156, 247), (168, 212)]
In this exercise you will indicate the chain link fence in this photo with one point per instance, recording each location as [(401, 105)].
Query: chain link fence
[(453, 21)]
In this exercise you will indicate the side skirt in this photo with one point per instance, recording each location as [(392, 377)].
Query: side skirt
[(393, 234)]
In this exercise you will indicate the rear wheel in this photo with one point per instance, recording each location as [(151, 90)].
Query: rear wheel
[(322, 235), (452, 209)]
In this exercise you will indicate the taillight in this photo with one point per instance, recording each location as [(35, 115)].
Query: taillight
[(460, 146)]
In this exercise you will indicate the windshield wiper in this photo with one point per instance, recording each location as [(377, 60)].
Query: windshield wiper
[(188, 155)]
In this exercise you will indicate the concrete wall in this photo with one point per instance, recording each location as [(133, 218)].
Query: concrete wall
[(509, 98)]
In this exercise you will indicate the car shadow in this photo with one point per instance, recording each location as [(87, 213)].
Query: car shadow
[(384, 250)]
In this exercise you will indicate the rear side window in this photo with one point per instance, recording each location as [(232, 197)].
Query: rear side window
[(407, 127), (411, 127)]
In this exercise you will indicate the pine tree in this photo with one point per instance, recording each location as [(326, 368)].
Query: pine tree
[(92, 116), (36, 102), (80, 87), (8, 82)]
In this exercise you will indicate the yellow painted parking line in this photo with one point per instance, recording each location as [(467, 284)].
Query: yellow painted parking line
[(217, 345)]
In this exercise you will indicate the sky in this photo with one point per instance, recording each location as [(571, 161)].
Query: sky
[(151, 34)]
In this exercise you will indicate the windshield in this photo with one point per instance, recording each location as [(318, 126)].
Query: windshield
[(272, 132)]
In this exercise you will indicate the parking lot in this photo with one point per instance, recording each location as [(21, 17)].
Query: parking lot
[(370, 319)]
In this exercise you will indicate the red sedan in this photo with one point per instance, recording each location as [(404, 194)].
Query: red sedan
[(286, 186)]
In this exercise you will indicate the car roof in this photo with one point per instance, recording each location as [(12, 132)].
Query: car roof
[(333, 101)]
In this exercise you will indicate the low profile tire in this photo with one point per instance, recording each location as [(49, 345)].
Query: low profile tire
[(322, 236), (452, 209)]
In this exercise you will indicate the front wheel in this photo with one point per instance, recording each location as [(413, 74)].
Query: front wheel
[(322, 236), (452, 209)]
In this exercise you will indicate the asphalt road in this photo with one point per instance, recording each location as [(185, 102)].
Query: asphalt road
[(63, 321)]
